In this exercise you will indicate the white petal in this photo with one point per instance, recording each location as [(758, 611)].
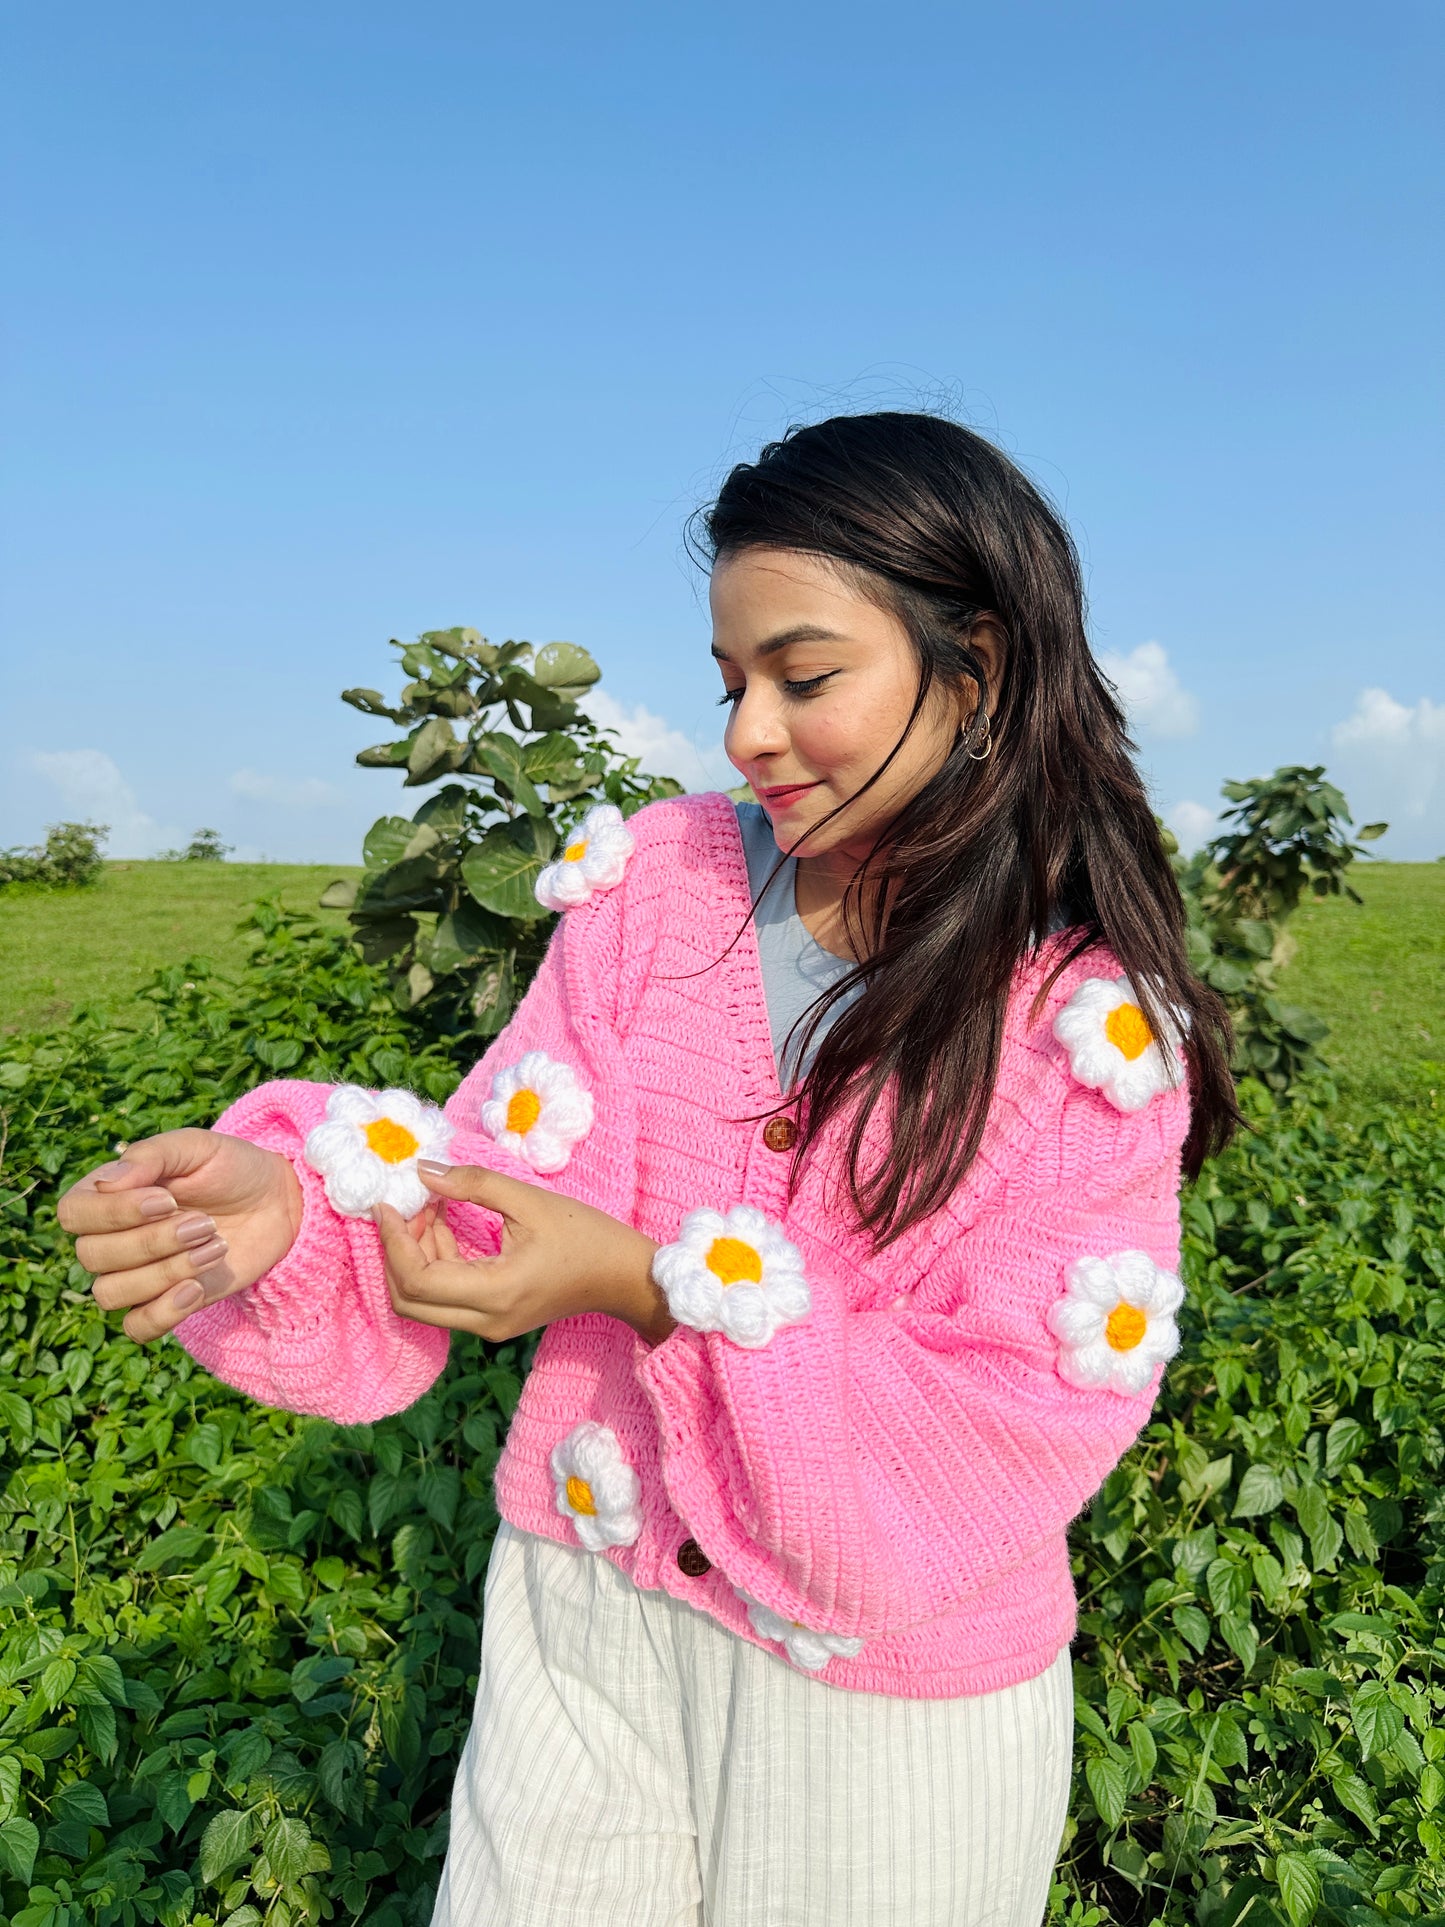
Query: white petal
[(1076, 1321), (329, 1145), (404, 1191), (1092, 1280), (350, 1104), (744, 1315), (356, 1186), (1088, 1366)]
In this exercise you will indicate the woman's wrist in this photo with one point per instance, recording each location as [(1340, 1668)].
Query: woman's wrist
[(639, 1300)]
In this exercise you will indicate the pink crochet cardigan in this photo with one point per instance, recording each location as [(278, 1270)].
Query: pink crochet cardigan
[(894, 1471)]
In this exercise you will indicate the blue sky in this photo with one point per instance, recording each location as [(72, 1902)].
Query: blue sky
[(332, 323)]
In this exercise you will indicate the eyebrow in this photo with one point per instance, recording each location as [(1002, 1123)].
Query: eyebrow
[(804, 632)]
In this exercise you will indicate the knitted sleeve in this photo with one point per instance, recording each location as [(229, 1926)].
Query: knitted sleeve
[(318, 1333), (871, 1467)]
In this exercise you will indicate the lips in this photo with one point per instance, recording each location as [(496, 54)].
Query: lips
[(779, 795)]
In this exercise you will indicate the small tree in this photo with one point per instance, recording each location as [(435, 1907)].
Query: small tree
[(447, 899), (205, 846), (1287, 835)]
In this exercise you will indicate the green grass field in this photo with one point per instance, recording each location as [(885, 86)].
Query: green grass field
[(59, 948), (1375, 972)]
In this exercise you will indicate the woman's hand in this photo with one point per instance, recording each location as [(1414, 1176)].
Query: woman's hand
[(183, 1219), (558, 1259)]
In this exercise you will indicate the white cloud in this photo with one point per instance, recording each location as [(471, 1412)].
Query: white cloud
[(1389, 759), (1191, 823), (90, 785), (291, 792), (1156, 702), (665, 751)]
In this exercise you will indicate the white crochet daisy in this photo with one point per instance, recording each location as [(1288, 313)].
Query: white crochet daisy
[(1112, 1047), (596, 1488), (538, 1110), (1115, 1322), (806, 1649), (368, 1147), (594, 860), (736, 1274)]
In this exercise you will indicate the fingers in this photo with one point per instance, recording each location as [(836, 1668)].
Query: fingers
[(104, 1252), (120, 1196), (445, 1292), (474, 1184), (161, 1315), (418, 1281), (124, 1290)]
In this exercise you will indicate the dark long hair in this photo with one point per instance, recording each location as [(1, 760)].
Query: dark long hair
[(935, 524)]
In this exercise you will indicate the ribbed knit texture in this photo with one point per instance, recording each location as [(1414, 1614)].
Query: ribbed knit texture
[(899, 1467)]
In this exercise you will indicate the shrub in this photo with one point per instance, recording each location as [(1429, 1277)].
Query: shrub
[(238, 1649), (69, 857), (446, 901)]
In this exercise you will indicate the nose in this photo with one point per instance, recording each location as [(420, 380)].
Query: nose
[(755, 728)]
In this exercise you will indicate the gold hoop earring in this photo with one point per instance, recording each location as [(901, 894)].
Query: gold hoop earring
[(985, 750)]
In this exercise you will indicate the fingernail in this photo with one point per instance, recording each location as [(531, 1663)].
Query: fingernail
[(195, 1231), (160, 1204), (432, 1168), (185, 1296), (113, 1172), (209, 1254)]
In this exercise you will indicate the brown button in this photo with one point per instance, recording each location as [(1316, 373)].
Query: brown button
[(692, 1559), (780, 1134)]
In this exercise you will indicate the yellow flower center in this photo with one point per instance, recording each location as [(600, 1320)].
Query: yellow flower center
[(1126, 1326), (1127, 1030), (575, 852), (579, 1496), (523, 1111), (393, 1143), (731, 1261)]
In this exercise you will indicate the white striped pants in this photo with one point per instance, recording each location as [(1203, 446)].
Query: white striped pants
[(631, 1763)]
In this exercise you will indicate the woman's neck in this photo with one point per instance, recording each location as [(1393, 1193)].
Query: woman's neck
[(820, 887)]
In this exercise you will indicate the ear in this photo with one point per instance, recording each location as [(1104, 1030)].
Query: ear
[(989, 643)]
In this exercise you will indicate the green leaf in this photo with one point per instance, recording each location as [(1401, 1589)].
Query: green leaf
[(1193, 1625), (1375, 1717), (415, 883), (463, 935), (287, 1846), (80, 1800), (433, 751), (1108, 1787), (180, 1546), (1299, 1888), (501, 870), (1144, 1747), (19, 1844), (1344, 1441), (228, 1838), (340, 895), (501, 756), (563, 666), (1260, 1491), (551, 759), (1354, 1794), (1370, 832)]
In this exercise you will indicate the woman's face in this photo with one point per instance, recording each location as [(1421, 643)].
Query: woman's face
[(821, 683)]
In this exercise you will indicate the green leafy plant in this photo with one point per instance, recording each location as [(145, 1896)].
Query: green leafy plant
[(205, 846), (446, 901), (1287, 837), (68, 858), (1261, 1672)]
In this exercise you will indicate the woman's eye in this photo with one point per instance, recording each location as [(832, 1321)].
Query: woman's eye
[(811, 685), (729, 696)]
